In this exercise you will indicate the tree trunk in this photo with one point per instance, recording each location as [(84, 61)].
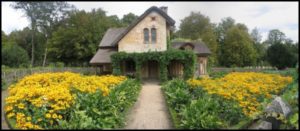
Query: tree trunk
[(32, 44), (45, 56)]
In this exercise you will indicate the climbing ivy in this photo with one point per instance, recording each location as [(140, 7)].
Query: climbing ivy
[(186, 57)]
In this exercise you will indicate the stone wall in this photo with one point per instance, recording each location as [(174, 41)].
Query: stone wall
[(134, 39)]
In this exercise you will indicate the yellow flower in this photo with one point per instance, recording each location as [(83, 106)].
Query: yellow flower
[(40, 119), (54, 116), (28, 118), (48, 115), (8, 108), (21, 106), (244, 87), (53, 89), (10, 115)]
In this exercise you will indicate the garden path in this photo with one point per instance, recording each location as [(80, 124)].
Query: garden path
[(3, 122), (150, 111)]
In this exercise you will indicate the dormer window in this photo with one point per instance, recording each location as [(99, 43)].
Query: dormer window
[(153, 35), (146, 35)]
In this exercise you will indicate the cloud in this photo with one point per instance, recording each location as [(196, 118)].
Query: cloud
[(12, 19), (263, 15)]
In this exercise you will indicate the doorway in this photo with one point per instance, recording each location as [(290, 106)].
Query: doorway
[(153, 69)]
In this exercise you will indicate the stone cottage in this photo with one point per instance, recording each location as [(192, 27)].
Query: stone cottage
[(149, 33)]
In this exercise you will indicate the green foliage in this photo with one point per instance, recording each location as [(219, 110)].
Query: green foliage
[(198, 27), (199, 115), (238, 49), (4, 37), (128, 19), (60, 64), (94, 111), (76, 40), (188, 58), (177, 94), (291, 96), (194, 108), (14, 56), (281, 56), (218, 74), (3, 85), (275, 36), (259, 47), (23, 39)]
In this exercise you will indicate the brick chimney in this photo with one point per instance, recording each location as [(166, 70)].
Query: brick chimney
[(164, 9)]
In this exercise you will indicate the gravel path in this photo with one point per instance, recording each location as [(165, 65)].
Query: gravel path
[(3, 122), (150, 111)]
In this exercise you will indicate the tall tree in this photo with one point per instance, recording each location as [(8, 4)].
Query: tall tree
[(23, 39), (281, 56), (50, 15), (76, 41), (128, 19), (198, 27), (256, 36), (275, 36), (222, 28), (220, 31), (238, 48), (260, 48), (14, 55), (4, 37), (31, 11)]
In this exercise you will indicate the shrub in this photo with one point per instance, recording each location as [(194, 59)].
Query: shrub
[(281, 56), (60, 64), (14, 55)]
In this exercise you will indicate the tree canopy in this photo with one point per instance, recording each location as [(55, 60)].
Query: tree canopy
[(198, 27), (59, 32)]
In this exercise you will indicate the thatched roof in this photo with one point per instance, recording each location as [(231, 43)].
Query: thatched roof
[(198, 47), (110, 35), (103, 56)]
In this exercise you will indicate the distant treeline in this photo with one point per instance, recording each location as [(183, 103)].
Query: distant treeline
[(59, 32)]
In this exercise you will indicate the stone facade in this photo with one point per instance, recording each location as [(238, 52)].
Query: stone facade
[(133, 41)]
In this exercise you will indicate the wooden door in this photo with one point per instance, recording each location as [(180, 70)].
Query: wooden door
[(153, 69)]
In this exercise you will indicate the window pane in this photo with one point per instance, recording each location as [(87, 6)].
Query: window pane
[(153, 35), (146, 35)]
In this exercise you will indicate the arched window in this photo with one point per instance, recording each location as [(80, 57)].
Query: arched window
[(153, 35), (146, 36)]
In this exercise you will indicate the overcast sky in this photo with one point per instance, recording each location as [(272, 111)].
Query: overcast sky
[(263, 15)]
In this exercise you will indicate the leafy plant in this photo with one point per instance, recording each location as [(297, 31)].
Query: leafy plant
[(95, 111), (188, 58)]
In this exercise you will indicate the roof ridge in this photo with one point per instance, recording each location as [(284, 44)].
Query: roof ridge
[(141, 17)]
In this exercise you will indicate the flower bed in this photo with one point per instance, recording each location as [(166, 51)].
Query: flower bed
[(48, 100), (228, 102), (247, 88)]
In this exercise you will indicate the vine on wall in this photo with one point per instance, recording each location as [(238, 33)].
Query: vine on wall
[(186, 57)]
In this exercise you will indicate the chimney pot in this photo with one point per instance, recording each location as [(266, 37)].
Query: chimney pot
[(164, 9)]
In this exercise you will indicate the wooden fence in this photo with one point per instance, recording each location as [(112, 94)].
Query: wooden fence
[(252, 69), (10, 75)]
